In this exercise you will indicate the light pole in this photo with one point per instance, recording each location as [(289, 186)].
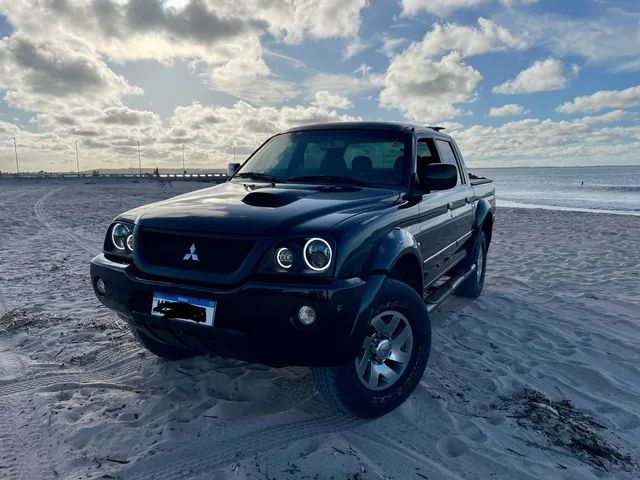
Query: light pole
[(139, 159), (184, 170), (15, 148), (77, 158)]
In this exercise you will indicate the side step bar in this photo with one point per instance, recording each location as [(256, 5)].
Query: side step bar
[(447, 289)]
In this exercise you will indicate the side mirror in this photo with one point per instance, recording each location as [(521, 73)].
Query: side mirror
[(232, 168), (439, 176)]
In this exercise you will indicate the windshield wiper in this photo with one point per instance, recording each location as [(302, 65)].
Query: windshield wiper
[(258, 176), (328, 179)]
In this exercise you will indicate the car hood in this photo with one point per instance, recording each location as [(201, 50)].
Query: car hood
[(245, 208)]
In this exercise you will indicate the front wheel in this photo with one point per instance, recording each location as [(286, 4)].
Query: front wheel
[(391, 360)]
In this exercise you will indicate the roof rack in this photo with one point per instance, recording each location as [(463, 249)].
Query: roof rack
[(437, 129)]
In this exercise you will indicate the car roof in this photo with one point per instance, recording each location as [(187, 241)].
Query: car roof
[(393, 126)]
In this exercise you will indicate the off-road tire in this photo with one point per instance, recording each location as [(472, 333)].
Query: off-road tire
[(159, 349), (342, 386), (472, 286)]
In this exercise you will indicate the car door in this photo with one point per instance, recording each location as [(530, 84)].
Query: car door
[(445, 216), (459, 203)]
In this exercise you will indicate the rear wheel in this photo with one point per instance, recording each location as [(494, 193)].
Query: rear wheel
[(162, 350), (472, 286), (391, 360)]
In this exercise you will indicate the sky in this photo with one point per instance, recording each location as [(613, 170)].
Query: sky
[(515, 82)]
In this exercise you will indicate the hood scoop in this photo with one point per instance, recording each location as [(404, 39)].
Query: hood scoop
[(272, 197)]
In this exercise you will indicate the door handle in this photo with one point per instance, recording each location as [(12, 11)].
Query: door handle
[(450, 206)]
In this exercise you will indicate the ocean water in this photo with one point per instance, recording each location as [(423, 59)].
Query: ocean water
[(599, 189)]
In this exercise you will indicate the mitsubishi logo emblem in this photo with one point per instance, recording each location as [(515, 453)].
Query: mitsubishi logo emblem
[(192, 255)]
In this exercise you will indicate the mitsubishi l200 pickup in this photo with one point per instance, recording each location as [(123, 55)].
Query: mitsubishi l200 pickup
[(328, 247)]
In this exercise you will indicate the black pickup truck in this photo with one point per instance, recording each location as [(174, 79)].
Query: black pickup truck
[(327, 248)]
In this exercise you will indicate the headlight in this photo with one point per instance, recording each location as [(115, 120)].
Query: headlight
[(317, 254), (122, 236), (299, 256), (284, 258)]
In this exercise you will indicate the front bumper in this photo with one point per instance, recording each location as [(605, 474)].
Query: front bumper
[(256, 321)]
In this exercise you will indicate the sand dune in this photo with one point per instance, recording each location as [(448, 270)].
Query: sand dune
[(79, 399)]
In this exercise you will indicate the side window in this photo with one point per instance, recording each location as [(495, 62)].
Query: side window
[(425, 151), (447, 156)]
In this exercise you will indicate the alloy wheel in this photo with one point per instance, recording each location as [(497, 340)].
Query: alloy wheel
[(386, 350)]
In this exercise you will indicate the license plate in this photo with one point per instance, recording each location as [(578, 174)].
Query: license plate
[(186, 309)]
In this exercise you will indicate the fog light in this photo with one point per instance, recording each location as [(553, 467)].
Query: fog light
[(101, 286), (306, 315)]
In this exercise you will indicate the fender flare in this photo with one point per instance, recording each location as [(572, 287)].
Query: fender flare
[(394, 245), (483, 211)]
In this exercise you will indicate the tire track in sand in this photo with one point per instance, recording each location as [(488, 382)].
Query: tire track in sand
[(201, 458), (23, 453), (44, 219), (52, 379), (4, 305)]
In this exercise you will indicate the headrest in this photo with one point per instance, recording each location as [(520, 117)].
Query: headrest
[(333, 162), (361, 163)]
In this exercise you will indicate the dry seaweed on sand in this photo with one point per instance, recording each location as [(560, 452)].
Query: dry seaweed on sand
[(18, 319), (567, 427)]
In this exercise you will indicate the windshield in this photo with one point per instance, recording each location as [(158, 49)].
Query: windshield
[(359, 157)]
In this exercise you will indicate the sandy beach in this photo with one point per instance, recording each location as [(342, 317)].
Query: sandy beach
[(538, 378)]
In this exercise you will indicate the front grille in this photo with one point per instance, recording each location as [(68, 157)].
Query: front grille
[(214, 254)]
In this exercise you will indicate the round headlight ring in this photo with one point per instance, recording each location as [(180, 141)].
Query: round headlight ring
[(119, 234), (284, 258), (306, 254), (129, 242)]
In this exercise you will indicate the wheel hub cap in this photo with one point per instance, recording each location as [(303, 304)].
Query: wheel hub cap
[(386, 350), (383, 350)]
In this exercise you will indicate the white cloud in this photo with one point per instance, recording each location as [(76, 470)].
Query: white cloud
[(355, 47), (426, 90), (508, 110), (544, 142), (35, 74), (609, 117), (437, 7), (515, 3), (342, 84), (292, 20), (390, 45), (469, 40), (222, 37), (134, 30), (250, 79), (611, 39), (542, 76), (328, 100), (629, 97), (443, 8), (111, 136)]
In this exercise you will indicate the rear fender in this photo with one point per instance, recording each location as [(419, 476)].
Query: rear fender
[(483, 211)]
